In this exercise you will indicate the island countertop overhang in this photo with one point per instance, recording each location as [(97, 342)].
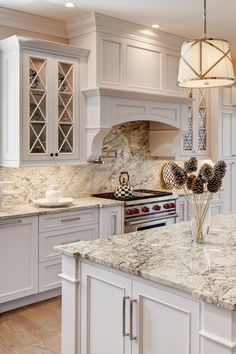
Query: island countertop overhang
[(166, 256)]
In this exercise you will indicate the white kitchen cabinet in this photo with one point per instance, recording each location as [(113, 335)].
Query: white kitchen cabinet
[(228, 95), (163, 322), (228, 131), (195, 140), (104, 310), (120, 316), (223, 127), (62, 228), (42, 104), (18, 258), (229, 189), (182, 209), (111, 220), (223, 142)]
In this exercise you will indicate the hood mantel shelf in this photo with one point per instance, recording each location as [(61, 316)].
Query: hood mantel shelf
[(131, 94), (107, 107)]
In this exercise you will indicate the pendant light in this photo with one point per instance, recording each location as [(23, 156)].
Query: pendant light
[(205, 62)]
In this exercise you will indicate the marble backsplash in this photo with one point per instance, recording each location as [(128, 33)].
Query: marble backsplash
[(131, 142)]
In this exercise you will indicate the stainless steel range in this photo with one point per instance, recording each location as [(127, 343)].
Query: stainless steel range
[(146, 209)]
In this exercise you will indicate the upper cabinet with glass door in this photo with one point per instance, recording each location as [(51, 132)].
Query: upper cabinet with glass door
[(195, 139), (45, 111)]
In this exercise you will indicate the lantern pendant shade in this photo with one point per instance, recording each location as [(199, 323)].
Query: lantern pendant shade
[(205, 62)]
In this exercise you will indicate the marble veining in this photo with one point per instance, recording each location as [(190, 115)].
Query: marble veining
[(23, 210), (130, 141), (166, 256)]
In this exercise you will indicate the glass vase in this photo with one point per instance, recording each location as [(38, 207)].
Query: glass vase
[(200, 219)]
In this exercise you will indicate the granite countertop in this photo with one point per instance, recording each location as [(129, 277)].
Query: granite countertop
[(166, 255), (22, 210)]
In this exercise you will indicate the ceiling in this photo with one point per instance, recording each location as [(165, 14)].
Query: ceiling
[(181, 17)]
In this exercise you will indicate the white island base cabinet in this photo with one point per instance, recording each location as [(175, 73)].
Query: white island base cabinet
[(119, 315), (105, 311)]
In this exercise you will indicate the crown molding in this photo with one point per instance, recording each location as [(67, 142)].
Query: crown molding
[(116, 26), (33, 23), (39, 44)]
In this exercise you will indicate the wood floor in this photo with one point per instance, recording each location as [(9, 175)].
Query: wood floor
[(33, 329)]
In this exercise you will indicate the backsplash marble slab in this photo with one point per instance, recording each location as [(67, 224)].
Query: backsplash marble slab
[(131, 142)]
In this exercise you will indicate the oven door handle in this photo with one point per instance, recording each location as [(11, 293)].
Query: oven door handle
[(150, 221)]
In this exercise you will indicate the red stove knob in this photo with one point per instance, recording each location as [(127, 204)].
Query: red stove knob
[(145, 209), (172, 205), (135, 211), (129, 212), (166, 206), (157, 207)]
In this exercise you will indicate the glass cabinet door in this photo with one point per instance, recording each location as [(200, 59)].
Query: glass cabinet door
[(37, 105), (201, 121), (195, 138), (65, 109), (188, 136)]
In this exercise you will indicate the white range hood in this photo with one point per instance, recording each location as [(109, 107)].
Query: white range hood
[(107, 108)]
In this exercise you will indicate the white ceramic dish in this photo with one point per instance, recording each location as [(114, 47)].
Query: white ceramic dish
[(45, 203)]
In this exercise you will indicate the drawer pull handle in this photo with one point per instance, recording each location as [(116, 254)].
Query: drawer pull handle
[(124, 334), (131, 336), (71, 219), (10, 222), (66, 243)]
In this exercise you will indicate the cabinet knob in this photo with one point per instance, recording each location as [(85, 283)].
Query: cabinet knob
[(51, 154), (56, 154)]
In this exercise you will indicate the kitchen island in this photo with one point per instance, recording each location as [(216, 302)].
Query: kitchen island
[(151, 292)]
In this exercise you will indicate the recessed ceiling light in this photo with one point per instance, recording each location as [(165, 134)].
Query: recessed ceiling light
[(156, 26), (69, 4)]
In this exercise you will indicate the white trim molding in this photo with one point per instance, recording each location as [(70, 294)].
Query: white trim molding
[(34, 23), (217, 339), (115, 26)]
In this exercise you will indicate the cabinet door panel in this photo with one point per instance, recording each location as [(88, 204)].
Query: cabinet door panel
[(226, 134), (18, 258), (36, 68), (66, 128), (48, 240), (167, 323), (101, 310), (171, 73), (111, 221), (149, 75), (48, 275)]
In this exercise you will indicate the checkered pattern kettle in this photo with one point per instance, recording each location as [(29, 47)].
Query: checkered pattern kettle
[(124, 190)]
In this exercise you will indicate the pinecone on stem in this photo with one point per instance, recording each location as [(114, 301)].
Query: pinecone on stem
[(198, 185), (214, 184), (190, 165), (206, 172), (189, 181), (220, 169), (179, 174)]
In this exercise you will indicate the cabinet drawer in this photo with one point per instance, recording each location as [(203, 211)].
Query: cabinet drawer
[(65, 220), (48, 275), (50, 239)]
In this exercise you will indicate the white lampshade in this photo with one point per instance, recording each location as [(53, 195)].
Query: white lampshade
[(205, 62)]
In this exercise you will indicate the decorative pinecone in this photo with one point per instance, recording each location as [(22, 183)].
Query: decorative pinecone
[(179, 174), (189, 181), (214, 184), (190, 165), (220, 169), (198, 185), (206, 172)]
